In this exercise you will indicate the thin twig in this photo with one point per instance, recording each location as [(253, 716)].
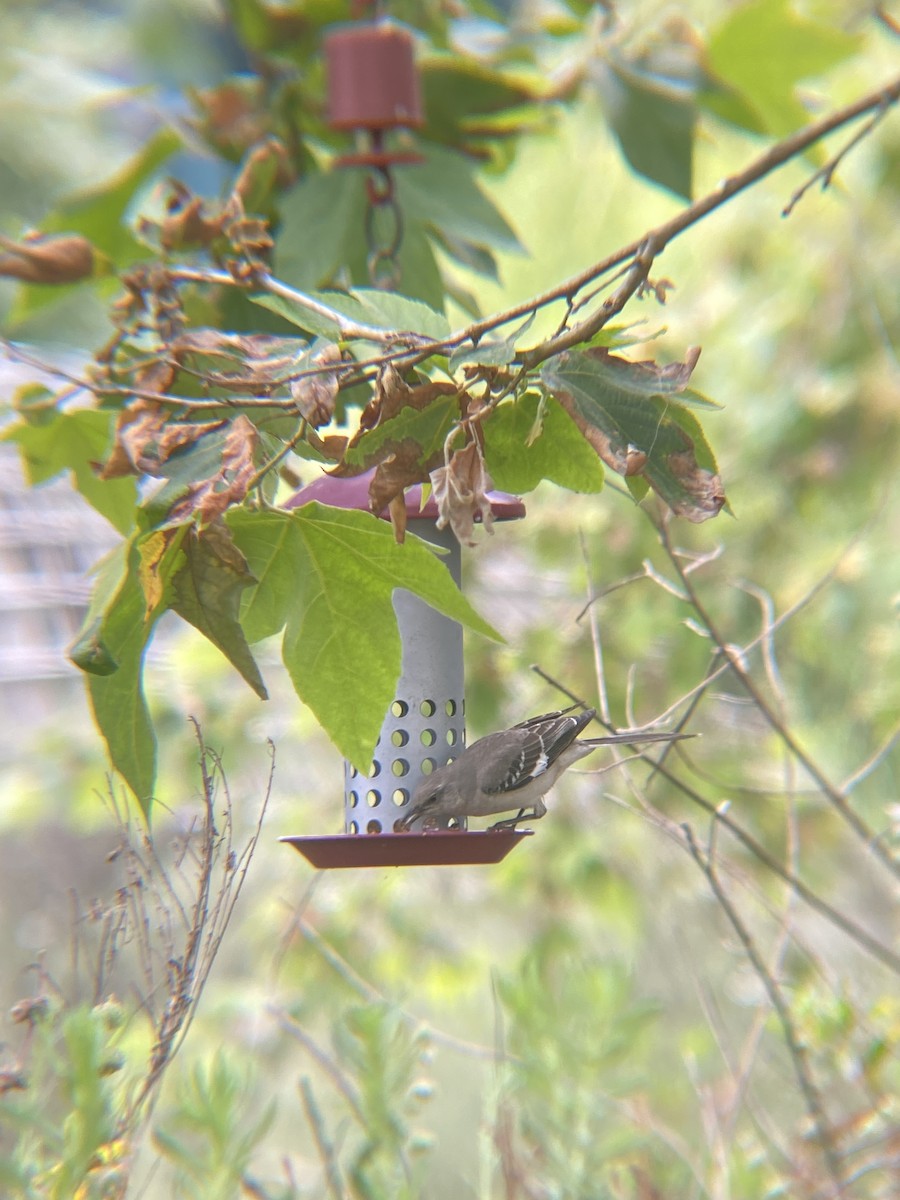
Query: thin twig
[(859, 935), (797, 1051), (837, 799), (826, 172), (323, 1145)]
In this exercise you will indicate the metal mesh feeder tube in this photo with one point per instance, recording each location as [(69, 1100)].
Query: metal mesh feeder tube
[(424, 727)]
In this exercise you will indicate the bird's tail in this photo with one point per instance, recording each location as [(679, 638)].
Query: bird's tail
[(636, 737)]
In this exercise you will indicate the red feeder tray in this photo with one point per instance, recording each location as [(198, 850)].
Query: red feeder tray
[(442, 848)]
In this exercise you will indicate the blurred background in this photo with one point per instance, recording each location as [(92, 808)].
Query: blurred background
[(585, 1018)]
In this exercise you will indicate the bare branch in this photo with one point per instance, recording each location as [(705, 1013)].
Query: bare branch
[(835, 796), (792, 1039)]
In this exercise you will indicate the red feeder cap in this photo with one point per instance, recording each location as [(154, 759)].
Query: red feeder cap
[(372, 79)]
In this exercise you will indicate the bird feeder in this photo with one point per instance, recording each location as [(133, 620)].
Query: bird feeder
[(424, 727), (373, 88)]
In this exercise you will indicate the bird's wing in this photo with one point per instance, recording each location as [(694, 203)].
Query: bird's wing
[(538, 744), (586, 716)]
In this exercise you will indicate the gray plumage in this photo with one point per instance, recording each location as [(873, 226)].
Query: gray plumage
[(512, 769)]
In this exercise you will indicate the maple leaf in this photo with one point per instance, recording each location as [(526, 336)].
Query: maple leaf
[(635, 417), (401, 433), (209, 498), (327, 577)]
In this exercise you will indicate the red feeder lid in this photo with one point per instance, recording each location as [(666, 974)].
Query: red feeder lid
[(353, 492), (442, 848), (372, 79)]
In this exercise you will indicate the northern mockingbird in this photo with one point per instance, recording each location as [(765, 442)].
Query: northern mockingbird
[(513, 769)]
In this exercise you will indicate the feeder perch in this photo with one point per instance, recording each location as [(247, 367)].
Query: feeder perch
[(373, 88), (425, 725)]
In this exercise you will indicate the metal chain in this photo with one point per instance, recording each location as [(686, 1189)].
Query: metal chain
[(383, 236)]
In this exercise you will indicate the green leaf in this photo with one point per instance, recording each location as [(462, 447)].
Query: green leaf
[(206, 591), (327, 576), (621, 420), (654, 123), (763, 49), (321, 239), (89, 652), (442, 193), (366, 306), (468, 254), (458, 91), (198, 461), (100, 216), (77, 442), (388, 310), (499, 352), (298, 314), (559, 453), (118, 622), (322, 223), (428, 427)]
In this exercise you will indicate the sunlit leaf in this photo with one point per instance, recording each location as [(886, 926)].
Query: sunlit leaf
[(206, 592), (762, 49), (118, 623), (77, 442), (326, 577), (518, 461), (654, 122), (490, 352)]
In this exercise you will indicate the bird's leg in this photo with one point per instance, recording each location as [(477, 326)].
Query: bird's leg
[(539, 810)]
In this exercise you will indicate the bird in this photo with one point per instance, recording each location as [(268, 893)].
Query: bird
[(513, 768)]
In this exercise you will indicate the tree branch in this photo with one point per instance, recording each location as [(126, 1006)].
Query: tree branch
[(792, 1039), (643, 252), (835, 796)]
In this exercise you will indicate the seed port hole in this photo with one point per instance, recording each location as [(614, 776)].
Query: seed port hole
[(400, 767), (353, 799), (399, 737), (373, 826), (353, 827), (374, 770), (450, 708), (451, 737), (400, 796), (399, 708), (427, 737), (428, 765), (373, 798), (428, 708)]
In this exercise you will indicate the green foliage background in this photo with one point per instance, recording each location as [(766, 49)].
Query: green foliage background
[(583, 1014)]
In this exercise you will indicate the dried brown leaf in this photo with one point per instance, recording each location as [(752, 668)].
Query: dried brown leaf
[(315, 395), (266, 166), (66, 258), (706, 495), (209, 498), (146, 437), (460, 491), (234, 114), (397, 472), (648, 374), (187, 223), (397, 508)]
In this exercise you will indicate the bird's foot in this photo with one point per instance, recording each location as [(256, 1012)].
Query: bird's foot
[(512, 822)]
